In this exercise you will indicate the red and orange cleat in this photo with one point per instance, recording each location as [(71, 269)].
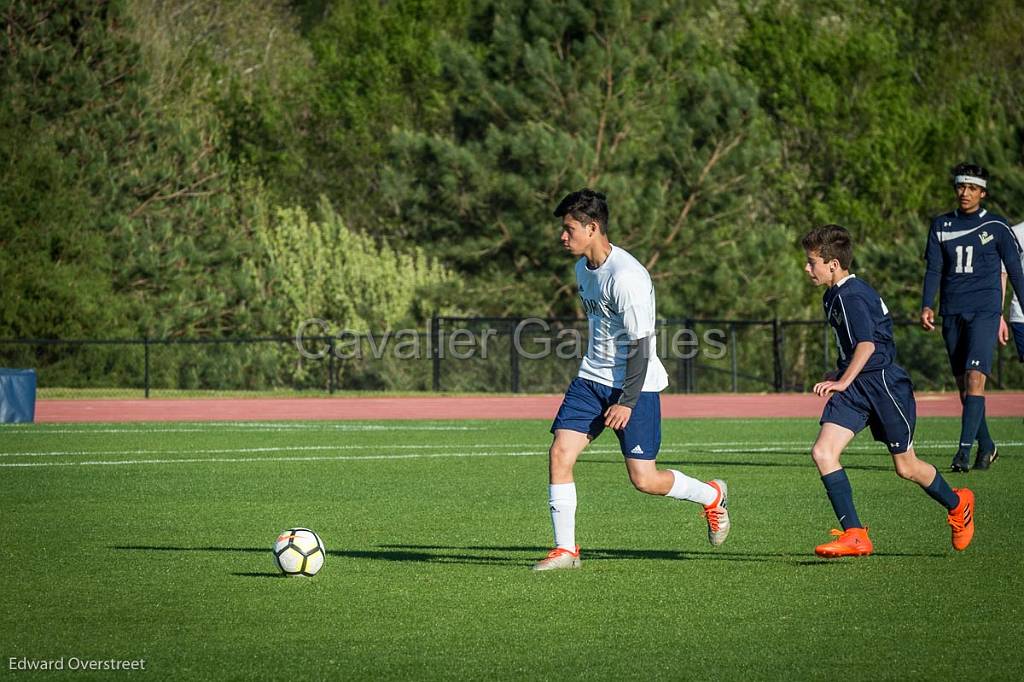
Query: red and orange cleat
[(961, 519), (849, 542)]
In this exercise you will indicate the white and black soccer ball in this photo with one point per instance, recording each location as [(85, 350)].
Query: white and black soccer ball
[(299, 551)]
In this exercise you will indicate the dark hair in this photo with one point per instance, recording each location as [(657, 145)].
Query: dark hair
[(969, 169), (585, 205), (831, 242)]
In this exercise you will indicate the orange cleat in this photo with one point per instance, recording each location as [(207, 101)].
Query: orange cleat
[(961, 519), (850, 542), (717, 514)]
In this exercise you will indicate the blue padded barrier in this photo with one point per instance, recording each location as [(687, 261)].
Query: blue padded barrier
[(17, 395)]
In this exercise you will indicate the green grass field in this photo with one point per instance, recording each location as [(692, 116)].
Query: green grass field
[(152, 541)]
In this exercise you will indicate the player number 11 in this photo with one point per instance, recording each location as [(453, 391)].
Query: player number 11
[(961, 266)]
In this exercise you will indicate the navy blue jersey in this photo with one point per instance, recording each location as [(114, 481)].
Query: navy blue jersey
[(966, 253), (857, 314)]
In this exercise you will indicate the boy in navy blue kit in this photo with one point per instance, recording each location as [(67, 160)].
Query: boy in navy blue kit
[(966, 253), (868, 388)]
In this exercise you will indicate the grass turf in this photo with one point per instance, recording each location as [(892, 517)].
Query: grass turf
[(152, 541)]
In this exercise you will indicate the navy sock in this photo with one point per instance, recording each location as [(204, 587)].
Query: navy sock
[(940, 491), (974, 412), (840, 494), (985, 442)]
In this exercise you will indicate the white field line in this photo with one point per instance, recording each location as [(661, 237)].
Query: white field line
[(243, 426), (315, 458), (722, 447), (229, 451), (371, 446), (456, 453), (787, 446), (231, 428)]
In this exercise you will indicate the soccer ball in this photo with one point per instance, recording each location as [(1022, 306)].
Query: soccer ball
[(299, 551)]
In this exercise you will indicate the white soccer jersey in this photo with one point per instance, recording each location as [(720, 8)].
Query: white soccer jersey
[(619, 300), (1016, 314)]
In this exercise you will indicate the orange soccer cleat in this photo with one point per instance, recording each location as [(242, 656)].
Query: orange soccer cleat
[(849, 542), (717, 514), (961, 519)]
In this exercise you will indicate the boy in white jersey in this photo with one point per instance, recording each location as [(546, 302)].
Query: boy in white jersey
[(618, 383), (1016, 312)]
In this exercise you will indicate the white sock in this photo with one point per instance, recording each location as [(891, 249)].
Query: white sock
[(562, 500), (686, 488)]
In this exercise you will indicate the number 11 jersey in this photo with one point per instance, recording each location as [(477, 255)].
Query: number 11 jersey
[(965, 253)]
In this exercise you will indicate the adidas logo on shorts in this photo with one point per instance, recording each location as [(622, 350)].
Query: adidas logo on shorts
[(637, 451)]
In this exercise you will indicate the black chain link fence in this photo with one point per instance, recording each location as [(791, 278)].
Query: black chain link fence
[(470, 355)]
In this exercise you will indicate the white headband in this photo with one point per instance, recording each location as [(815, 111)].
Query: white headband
[(968, 180)]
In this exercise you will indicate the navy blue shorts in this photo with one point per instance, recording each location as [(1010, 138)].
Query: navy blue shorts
[(1018, 338), (883, 400), (583, 410), (970, 341)]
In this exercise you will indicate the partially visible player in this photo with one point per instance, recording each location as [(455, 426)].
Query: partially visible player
[(966, 253), (869, 389), (1016, 313), (619, 382)]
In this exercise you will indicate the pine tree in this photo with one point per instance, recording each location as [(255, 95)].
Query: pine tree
[(68, 89), (624, 97)]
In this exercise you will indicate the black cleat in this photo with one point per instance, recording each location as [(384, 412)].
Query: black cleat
[(985, 459), (961, 463)]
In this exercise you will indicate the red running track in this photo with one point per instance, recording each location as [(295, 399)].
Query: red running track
[(729, 405)]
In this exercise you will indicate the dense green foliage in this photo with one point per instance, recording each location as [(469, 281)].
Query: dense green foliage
[(628, 98), (147, 170), (153, 541), (154, 155)]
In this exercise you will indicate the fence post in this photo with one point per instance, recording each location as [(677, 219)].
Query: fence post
[(690, 368), (777, 353), (435, 350), (145, 371), (330, 365), (732, 353), (680, 374), (513, 358)]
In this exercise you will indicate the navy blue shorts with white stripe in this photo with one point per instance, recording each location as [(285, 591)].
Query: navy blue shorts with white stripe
[(583, 410), (883, 400)]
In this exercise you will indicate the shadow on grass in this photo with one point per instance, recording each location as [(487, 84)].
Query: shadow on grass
[(264, 574), (761, 460), (821, 561), (697, 461), (808, 465), (509, 555)]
